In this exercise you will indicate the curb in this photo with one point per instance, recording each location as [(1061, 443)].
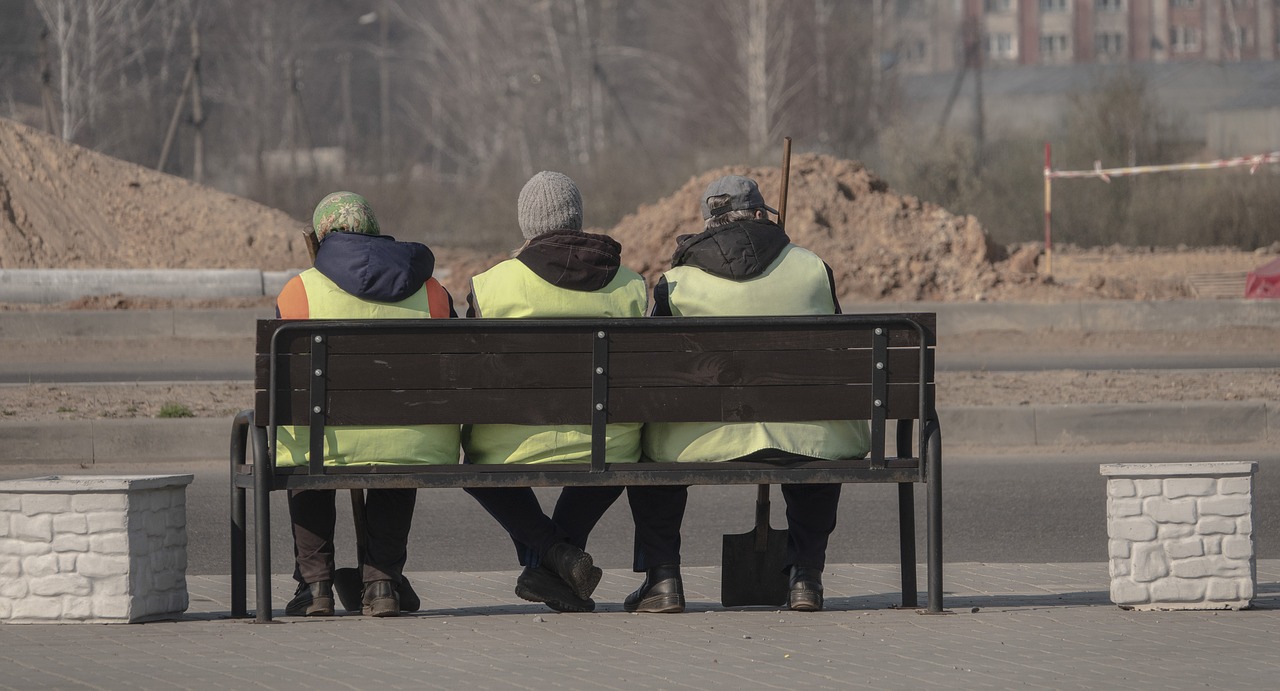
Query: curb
[(1196, 424), (59, 285)]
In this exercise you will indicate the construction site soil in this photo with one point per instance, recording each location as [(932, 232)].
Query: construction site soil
[(63, 206)]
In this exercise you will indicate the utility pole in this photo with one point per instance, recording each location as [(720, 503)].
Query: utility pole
[(46, 82), (384, 89), (197, 106)]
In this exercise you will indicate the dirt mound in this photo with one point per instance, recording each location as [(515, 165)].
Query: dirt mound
[(64, 206), (880, 245)]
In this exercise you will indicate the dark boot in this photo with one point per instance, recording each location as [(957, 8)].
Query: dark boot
[(575, 567), (381, 599), (661, 593), (311, 600), (806, 589), (543, 585)]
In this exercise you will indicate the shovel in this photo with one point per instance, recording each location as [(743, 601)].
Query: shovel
[(752, 564), (348, 582)]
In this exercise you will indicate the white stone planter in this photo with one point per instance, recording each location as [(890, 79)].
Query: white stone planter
[(102, 549), (1181, 535)]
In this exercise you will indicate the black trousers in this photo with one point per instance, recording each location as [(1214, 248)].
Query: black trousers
[(658, 512), (517, 510), (388, 516)]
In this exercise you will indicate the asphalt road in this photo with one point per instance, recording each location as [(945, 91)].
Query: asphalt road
[(1039, 509)]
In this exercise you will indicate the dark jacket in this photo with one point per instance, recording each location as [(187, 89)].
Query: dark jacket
[(569, 259), (737, 251)]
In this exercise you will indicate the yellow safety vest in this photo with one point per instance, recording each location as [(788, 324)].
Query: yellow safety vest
[(795, 283), (512, 290), (367, 445)]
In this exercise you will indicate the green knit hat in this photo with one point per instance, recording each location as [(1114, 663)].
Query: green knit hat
[(343, 212)]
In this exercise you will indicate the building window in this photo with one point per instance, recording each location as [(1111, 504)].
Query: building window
[(1053, 5), (1183, 3), (1000, 45), (997, 6), (1053, 45), (1109, 44), (1110, 5), (1239, 38), (1184, 39), (914, 50)]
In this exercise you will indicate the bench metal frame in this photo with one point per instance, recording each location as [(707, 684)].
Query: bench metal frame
[(900, 348)]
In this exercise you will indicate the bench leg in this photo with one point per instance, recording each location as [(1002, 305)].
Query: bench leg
[(933, 457), (239, 438), (907, 542), (262, 531)]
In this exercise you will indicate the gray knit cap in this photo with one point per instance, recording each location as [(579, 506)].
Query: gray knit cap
[(549, 202)]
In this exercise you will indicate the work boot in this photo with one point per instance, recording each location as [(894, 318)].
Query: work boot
[(311, 600), (381, 599), (806, 589), (661, 593), (575, 567), (543, 585)]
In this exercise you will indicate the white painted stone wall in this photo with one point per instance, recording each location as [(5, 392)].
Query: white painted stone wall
[(1181, 535), (101, 549)]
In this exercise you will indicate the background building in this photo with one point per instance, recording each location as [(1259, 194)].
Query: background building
[(935, 35)]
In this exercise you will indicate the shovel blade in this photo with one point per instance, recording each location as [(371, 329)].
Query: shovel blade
[(749, 576), (348, 585)]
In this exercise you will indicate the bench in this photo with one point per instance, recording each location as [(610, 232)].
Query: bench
[(877, 367)]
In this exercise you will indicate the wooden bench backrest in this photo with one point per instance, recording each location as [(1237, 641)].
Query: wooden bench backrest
[(556, 371)]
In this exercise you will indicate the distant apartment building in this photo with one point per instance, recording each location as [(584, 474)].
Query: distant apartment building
[(936, 35)]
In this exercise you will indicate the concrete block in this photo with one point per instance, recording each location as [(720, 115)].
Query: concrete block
[(1149, 562), (1175, 531), (1215, 525), (35, 528), (1235, 485), (106, 575), (92, 503), (33, 504), (1177, 487), (1123, 508), (70, 542), (1148, 487), (1120, 488), (1237, 547), (1233, 505), (1139, 529), (1181, 549), (1128, 593), (1175, 590), (71, 523), (1164, 510)]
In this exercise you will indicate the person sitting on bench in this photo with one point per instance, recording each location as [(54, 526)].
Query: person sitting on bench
[(559, 272), (360, 273), (742, 264)]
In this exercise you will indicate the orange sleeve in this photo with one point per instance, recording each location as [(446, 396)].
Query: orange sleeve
[(438, 300), (292, 302)]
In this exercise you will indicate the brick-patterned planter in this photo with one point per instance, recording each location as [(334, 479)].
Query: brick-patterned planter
[(101, 549), (1181, 535)]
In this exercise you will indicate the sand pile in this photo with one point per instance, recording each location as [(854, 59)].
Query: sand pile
[(64, 206), (881, 246)]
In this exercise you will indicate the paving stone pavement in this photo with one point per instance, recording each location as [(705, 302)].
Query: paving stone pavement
[(1048, 626)]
